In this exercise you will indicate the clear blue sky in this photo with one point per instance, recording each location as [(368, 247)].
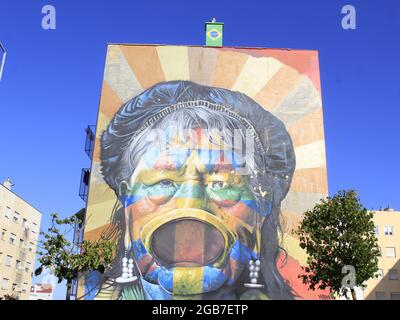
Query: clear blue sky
[(52, 80)]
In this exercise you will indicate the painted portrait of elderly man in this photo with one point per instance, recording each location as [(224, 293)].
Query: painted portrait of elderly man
[(199, 174)]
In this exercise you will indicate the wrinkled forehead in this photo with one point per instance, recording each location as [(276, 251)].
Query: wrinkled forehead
[(213, 150)]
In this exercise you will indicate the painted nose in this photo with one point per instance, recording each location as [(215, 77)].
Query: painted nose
[(191, 194)]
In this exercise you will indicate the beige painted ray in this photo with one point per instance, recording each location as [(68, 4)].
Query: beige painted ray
[(303, 99), (311, 155), (119, 75), (255, 75), (291, 245), (174, 62), (99, 213), (101, 192), (300, 202)]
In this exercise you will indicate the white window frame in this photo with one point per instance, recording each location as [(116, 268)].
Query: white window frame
[(5, 281), (394, 251), (12, 239), (8, 260), (388, 230), (7, 212), (16, 217)]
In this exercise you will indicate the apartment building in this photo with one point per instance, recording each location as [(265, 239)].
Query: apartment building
[(387, 230), (19, 232)]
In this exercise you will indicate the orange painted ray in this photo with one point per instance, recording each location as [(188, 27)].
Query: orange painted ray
[(227, 68), (304, 61), (109, 101), (308, 129), (142, 59), (313, 180), (277, 88), (201, 64)]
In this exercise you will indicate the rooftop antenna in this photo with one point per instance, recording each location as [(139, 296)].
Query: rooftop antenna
[(3, 60)]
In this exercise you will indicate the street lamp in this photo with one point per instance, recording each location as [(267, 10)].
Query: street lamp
[(3, 60)]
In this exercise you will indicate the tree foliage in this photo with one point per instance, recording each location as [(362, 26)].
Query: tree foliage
[(9, 297), (336, 233), (65, 258)]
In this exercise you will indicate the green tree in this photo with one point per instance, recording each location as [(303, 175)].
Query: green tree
[(338, 236), (9, 297), (66, 259)]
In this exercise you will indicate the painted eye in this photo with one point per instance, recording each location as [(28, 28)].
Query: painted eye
[(166, 183), (217, 184)]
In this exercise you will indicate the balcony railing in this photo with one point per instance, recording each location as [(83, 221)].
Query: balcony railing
[(90, 139), (84, 185)]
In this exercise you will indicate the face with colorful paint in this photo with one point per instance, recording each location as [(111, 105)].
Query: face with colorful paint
[(191, 220)]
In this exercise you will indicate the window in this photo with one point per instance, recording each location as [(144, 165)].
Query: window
[(17, 264), (379, 295), (21, 243), (393, 275), (12, 238), (3, 234), (24, 287), (14, 286), (390, 252), (1, 258), (30, 247), (24, 222), (376, 230), (7, 213), (388, 230), (28, 267), (34, 227), (379, 274), (16, 217), (395, 296), (4, 284), (7, 261)]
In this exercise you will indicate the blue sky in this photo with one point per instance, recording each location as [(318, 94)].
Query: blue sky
[(52, 80)]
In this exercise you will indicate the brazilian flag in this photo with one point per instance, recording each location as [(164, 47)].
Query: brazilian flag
[(214, 34)]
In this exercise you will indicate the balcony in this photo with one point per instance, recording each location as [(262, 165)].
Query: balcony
[(84, 185), (26, 233), (18, 277), (90, 139), (22, 254), (78, 228)]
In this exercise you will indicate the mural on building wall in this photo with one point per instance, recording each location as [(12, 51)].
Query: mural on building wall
[(204, 161)]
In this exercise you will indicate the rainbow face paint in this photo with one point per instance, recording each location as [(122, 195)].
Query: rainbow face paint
[(192, 219)]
